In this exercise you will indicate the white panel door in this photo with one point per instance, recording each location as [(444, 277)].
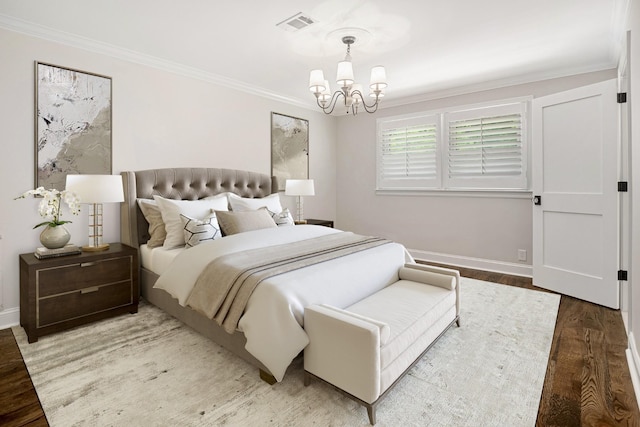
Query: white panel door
[(575, 226)]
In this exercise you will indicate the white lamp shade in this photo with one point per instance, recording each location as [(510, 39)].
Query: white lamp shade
[(326, 93), (299, 187), (96, 188), (345, 73), (378, 78), (316, 81)]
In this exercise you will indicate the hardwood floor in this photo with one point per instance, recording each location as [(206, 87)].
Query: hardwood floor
[(19, 404), (587, 381)]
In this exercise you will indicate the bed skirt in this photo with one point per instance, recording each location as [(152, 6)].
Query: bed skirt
[(235, 342)]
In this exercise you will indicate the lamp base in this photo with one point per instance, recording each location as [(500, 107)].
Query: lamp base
[(102, 247)]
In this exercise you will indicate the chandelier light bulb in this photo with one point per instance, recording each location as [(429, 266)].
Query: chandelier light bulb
[(356, 93), (325, 96)]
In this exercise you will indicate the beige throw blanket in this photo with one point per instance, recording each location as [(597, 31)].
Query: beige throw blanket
[(225, 285)]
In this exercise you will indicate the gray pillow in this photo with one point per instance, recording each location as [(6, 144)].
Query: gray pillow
[(152, 214), (239, 222)]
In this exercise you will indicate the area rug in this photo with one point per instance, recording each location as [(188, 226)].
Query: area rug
[(149, 369)]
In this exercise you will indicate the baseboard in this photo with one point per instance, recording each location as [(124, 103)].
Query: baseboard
[(625, 320), (633, 360), (474, 263), (9, 317)]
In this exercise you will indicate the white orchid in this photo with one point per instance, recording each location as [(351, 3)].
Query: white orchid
[(50, 206)]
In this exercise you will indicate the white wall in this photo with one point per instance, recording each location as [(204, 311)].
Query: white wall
[(160, 119), (463, 229), (634, 309)]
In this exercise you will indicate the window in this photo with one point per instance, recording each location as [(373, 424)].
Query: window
[(467, 148), (408, 152)]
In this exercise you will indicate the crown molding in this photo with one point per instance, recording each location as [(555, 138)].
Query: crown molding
[(73, 40), (493, 85), (47, 33), (619, 27)]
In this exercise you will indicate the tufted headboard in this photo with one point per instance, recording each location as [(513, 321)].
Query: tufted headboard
[(182, 184)]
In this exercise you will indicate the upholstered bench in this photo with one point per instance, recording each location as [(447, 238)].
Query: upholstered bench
[(365, 349)]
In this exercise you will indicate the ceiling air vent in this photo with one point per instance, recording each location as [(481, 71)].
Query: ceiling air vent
[(296, 22)]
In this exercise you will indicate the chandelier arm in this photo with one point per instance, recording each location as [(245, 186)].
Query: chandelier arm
[(345, 74), (368, 108), (372, 108), (332, 102)]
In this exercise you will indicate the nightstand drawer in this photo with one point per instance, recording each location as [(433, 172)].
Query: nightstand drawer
[(64, 292), (73, 277), (88, 300)]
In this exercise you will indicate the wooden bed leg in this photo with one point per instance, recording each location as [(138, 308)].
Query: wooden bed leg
[(267, 377)]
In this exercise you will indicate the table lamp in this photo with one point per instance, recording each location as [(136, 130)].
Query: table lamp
[(96, 190), (299, 188)]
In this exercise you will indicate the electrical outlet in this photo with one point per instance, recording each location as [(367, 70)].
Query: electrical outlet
[(522, 254)]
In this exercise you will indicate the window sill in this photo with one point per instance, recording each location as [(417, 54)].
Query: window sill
[(501, 194)]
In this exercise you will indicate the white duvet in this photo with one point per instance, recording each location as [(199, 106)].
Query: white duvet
[(273, 319)]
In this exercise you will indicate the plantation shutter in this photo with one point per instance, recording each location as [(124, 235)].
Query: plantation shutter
[(486, 148), (408, 153)]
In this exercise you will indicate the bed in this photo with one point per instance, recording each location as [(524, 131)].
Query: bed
[(270, 332)]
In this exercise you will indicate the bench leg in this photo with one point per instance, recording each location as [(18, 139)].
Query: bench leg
[(267, 377), (371, 411)]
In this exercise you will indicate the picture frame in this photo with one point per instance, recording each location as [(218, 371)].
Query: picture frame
[(73, 124), (289, 148)]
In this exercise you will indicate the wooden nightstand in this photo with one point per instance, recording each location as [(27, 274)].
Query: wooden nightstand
[(62, 292), (325, 222)]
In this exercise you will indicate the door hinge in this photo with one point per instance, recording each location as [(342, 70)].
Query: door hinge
[(623, 186), (622, 97), (622, 275)]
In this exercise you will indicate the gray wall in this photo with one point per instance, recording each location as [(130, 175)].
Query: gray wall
[(462, 228), (160, 119), (634, 63)]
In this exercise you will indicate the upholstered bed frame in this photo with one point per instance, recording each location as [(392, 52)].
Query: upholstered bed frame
[(187, 184)]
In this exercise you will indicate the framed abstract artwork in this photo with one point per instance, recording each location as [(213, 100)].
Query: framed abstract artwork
[(289, 148), (72, 124)]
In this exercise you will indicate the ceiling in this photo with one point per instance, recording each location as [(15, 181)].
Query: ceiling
[(428, 47)]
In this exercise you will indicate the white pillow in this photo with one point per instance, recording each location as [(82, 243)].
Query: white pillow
[(171, 209), (283, 218), (197, 231), (243, 204)]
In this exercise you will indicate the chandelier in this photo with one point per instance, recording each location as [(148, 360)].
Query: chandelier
[(350, 92)]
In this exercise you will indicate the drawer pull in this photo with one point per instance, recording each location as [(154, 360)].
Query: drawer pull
[(89, 290), (87, 264)]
